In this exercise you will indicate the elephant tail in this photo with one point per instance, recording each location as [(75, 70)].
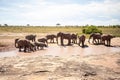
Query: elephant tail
[(16, 40)]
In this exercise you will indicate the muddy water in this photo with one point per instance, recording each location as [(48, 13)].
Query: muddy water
[(76, 50), (56, 50), (9, 53)]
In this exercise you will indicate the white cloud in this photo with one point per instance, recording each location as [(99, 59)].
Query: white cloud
[(48, 13)]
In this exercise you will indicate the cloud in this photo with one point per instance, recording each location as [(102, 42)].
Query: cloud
[(43, 12)]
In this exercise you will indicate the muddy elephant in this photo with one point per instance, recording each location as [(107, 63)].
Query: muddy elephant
[(24, 44), (81, 40), (44, 40), (40, 45), (31, 37), (51, 38), (74, 38), (107, 38), (96, 38), (64, 36)]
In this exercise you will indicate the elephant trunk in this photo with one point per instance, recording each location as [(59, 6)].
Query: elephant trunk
[(16, 40)]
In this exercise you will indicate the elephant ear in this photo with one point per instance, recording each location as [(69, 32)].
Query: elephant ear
[(16, 40)]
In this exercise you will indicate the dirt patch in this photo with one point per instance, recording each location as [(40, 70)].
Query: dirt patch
[(57, 68), (6, 45)]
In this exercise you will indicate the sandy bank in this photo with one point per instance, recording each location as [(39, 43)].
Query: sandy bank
[(59, 68)]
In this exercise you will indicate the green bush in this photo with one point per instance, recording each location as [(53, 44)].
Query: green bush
[(91, 29)]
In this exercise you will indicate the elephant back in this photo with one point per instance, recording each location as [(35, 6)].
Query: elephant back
[(30, 37)]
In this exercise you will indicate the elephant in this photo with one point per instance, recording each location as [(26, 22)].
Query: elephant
[(64, 36), (24, 44), (95, 36), (44, 40), (74, 38), (107, 38), (40, 44), (31, 37), (82, 40), (51, 37)]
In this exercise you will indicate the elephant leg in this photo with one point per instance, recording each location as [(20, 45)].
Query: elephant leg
[(35, 48), (24, 49), (62, 41), (32, 49), (69, 42), (73, 41), (79, 42), (53, 40), (82, 43), (19, 49), (103, 42), (109, 42), (93, 41), (46, 42), (50, 40), (76, 41), (98, 41), (38, 47), (33, 40)]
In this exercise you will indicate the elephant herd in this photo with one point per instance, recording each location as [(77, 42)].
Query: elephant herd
[(101, 38), (31, 44)]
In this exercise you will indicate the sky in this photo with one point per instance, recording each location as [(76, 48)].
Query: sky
[(65, 12)]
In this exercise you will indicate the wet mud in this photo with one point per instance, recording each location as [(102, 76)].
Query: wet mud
[(57, 50)]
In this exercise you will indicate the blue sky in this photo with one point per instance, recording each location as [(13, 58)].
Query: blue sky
[(65, 12)]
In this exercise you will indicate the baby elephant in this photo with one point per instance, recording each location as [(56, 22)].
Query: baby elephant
[(82, 40), (43, 40), (40, 44)]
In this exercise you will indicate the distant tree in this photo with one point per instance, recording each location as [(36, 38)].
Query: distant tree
[(6, 25), (28, 25), (58, 24)]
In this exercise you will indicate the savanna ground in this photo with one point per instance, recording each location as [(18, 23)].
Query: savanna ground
[(47, 67)]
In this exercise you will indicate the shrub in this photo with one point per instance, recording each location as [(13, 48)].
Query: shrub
[(91, 29)]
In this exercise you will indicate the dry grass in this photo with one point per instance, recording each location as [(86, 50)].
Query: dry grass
[(114, 31)]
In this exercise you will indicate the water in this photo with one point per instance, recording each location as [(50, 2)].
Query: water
[(9, 53), (55, 50)]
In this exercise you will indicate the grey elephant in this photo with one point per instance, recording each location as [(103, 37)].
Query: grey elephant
[(24, 44), (40, 45), (96, 38), (44, 40), (31, 37), (81, 40), (64, 36), (51, 38), (107, 38), (74, 38)]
